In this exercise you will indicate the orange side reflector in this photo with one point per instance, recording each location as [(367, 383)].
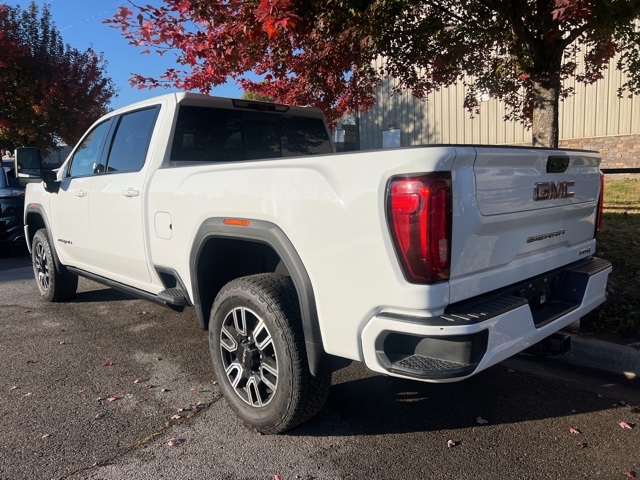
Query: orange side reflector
[(238, 222)]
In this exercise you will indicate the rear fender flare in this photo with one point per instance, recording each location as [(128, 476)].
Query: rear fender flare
[(268, 233)]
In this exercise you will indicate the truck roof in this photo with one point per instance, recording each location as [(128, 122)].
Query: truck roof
[(199, 99)]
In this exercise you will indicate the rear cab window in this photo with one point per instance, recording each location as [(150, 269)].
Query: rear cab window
[(211, 134)]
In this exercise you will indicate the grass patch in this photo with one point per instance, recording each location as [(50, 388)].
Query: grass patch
[(619, 242)]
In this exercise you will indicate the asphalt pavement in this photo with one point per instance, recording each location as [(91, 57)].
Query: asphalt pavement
[(97, 388)]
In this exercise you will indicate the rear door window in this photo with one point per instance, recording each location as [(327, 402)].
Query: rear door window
[(130, 143)]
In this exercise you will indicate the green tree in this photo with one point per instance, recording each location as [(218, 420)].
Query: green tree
[(256, 97), (324, 53), (49, 92)]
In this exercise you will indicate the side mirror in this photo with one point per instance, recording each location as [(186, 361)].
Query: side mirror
[(50, 179), (28, 165)]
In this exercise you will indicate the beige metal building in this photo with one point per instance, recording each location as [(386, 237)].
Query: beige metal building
[(593, 119)]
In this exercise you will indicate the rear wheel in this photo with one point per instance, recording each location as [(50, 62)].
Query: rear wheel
[(258, 353), (54, 286)]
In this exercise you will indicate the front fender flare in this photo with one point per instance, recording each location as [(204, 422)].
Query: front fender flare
[(37, 209)]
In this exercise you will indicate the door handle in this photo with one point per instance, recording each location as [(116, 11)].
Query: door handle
[(130, 192), (81, 193)]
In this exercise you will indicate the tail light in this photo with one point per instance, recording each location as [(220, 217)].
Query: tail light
[(419, 217), (600, 205)]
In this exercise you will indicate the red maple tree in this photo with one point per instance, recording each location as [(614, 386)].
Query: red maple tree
[(49, 92), (328, 54)]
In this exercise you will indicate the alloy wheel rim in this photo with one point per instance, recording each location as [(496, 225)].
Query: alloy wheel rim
[(249, 357), (42, 266)]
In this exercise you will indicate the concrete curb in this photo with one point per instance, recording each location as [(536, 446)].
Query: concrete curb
[(607, 356)]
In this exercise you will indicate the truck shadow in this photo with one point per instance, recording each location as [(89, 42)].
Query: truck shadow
[(378, 405), (100, 294)]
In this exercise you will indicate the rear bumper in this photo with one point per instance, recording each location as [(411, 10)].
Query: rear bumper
[(476, 334)]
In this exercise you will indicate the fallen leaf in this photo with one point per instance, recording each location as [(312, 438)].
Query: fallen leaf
[(14, 388), (144, 312), (28, 394), (96, 465), (29, 362), (176, 417), (631, 474), (276, 477), (481, 421), (108, 364), (451, 443), (45, 436), (61, 343), (81, 390), (574, 431), (164, 390), (626, 425), (98, 416), (27, 311), (257, 432), (138, 380), (149, 386), (175, 441), (113, 399)]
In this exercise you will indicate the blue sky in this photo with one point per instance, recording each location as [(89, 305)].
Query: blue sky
[(80, 24)]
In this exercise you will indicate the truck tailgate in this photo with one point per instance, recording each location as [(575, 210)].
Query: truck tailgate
[(531, 211)]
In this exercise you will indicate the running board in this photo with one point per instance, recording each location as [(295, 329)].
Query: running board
[(169, 297), (173, 296)]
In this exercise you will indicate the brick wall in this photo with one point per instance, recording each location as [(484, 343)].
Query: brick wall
[(616, 151)]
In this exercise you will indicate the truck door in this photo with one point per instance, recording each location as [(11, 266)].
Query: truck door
[(70, 207), (116, 203)]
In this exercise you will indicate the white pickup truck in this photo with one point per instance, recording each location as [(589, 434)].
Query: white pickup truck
[(429, 263)]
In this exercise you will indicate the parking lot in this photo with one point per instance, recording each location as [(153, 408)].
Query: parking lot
[(97, 387)]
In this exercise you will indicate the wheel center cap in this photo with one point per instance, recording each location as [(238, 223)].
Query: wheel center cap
[(248, 356)]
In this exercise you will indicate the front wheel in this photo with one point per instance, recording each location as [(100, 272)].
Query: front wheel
[(258, 353), (54, 286)]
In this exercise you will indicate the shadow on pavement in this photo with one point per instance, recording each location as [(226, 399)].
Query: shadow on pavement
[(378, 405), (100, 295)]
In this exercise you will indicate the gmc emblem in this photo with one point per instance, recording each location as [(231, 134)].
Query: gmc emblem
[(552, 190)]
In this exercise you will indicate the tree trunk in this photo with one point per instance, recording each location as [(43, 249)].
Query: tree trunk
[(546, 95)]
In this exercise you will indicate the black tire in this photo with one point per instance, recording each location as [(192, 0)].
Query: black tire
[(54, 286), (259, 357)]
